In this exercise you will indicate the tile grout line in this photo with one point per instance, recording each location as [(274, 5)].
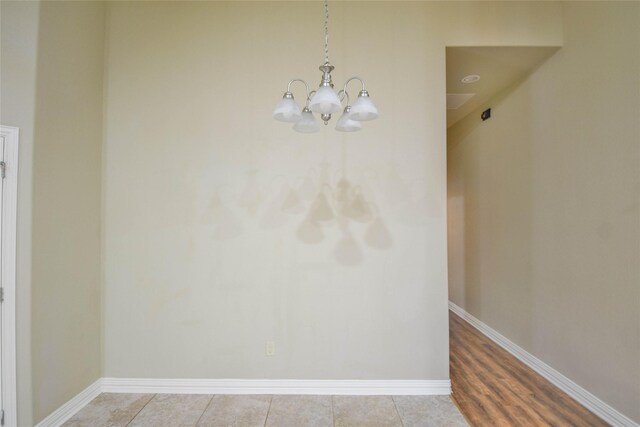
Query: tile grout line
[(268, 411), (205, 409), (144, 406), (397, 412), (333, 416)]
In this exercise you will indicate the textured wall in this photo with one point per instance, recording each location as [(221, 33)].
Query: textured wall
[(202, 265), (67, 173), (210, 243), (19, 40)]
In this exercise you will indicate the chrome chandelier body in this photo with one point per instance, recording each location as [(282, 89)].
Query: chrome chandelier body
[(325, 101)]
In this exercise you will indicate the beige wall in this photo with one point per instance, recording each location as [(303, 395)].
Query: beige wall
[(544, 199), (67, 165), (189, 93), (52, 66), (201, 266), (19, 42)]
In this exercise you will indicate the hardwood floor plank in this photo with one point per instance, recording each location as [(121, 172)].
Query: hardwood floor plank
[(493, 388)]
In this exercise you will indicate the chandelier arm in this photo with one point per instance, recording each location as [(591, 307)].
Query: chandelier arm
[(353, 78), (306, 85), (345, 94), (313, 92)]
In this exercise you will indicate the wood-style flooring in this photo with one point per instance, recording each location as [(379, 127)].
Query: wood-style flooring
[(493, 388)]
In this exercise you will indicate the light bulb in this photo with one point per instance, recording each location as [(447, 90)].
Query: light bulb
[(287, 110), (363, 109), (325, 101)]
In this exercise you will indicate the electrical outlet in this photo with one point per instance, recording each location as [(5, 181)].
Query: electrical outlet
[(271, 348)]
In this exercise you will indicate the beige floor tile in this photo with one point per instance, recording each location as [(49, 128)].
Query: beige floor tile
[(115, 409), (109, 410), (300, 411), (236, 411), (365, 411), (429, 411), (172, 410)]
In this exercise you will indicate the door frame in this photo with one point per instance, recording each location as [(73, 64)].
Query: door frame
[(8, 273)]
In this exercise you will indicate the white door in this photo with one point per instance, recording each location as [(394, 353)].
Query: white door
[(2, 344), (8, 217)]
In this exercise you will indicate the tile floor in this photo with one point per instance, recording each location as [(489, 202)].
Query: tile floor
[(116, 409)]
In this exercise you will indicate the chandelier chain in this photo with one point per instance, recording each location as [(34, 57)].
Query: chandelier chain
[(326, 31)]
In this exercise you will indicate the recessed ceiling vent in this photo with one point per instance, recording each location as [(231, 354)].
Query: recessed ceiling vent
[(471, 78), (457, 100)]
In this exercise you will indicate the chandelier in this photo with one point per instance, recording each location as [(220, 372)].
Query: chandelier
[(325, 101)]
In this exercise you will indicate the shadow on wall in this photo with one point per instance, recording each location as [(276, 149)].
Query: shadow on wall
[(324, 202)]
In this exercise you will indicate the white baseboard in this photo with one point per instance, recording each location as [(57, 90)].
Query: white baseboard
[(341, 387), (69, 409), (203, 386), (585, 398)]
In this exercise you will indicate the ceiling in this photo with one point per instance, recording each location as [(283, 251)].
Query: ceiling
[(498, 68)]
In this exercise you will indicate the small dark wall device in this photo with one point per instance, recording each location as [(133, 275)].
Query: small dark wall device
[(486, 114)]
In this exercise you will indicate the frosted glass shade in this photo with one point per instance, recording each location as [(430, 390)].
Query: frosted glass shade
[(325, 101), (346, 124), (363, 109), (287, 110), (307, 124)]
